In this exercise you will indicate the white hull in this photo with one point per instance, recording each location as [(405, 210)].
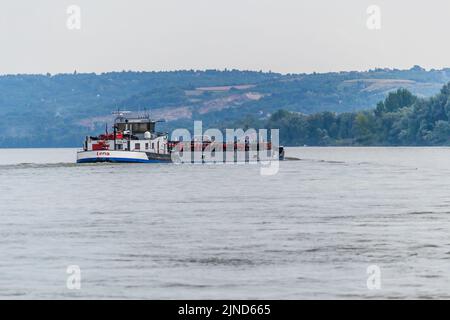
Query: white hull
[(116, 156)]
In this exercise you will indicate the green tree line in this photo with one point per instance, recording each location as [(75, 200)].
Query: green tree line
[(402, 119)]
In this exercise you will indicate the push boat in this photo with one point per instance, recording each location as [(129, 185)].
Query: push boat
[(135, 140)]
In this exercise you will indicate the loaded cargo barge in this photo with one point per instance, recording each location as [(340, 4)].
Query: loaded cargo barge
[(135, 140)]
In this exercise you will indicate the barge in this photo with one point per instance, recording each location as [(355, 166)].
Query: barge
[(135, 140)]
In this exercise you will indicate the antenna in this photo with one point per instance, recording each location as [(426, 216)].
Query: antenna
[(146, 113), (120, 113)]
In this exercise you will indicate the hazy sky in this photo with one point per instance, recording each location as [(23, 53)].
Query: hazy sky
[(278, 35)]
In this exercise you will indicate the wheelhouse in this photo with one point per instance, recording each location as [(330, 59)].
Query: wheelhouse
[(130, 134)]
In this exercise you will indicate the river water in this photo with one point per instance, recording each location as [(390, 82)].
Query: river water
[(157, 231)]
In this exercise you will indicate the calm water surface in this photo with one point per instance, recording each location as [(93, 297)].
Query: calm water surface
[(225, 231)]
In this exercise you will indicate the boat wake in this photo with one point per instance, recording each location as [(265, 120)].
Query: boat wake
[(43, 165)]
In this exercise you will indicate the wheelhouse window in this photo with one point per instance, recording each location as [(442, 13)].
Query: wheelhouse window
[(137, 146), (146, 146)]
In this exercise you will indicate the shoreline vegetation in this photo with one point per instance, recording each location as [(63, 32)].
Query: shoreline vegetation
[(318, 109), (402, 120)]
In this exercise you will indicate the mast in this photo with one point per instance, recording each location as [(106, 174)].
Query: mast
[(115, 136)]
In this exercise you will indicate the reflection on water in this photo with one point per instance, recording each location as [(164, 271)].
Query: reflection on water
[(225, 231)]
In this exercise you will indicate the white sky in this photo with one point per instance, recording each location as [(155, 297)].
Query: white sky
[(279, 35)]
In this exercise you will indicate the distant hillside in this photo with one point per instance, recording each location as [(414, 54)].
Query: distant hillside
[(58, 110)]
